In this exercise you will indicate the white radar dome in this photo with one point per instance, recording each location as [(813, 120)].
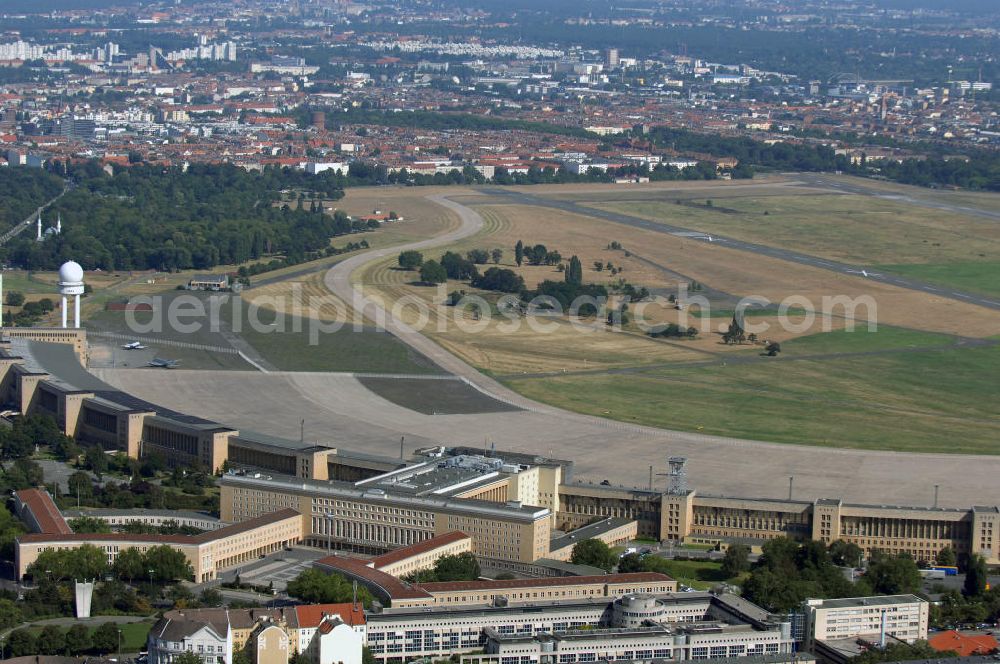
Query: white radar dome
[(71, 273)]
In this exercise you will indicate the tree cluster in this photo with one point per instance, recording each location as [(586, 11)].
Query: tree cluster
[(148, 217), (75, 641), (315, 587), (459, 567), (788, 572), (595, 553), (161, 564), (22, 191)]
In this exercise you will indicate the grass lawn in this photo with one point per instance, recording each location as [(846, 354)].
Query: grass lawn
[(699, 574), (973, 276), (934, 401), (344, 350), (861, 340)]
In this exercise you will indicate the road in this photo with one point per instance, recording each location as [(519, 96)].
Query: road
[(521, 198)]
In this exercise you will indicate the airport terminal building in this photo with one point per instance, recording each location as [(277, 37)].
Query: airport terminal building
[(515, 507)]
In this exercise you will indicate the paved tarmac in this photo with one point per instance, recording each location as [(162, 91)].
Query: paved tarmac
[(338, 410)]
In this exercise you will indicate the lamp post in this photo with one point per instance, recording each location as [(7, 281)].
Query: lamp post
[(329, 534), (119, 645)]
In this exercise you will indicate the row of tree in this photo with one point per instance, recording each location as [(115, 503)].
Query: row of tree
[(75, 641), (159, 564)]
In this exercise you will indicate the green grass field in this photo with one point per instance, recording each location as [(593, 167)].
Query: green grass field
[(935, 400), (699, 574), (857, 229), (973, 276), (24, 282), (344, 350), (861, 340)]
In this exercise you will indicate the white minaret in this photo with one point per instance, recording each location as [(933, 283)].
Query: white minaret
[(39, 236), (71, 283), (59, 224)]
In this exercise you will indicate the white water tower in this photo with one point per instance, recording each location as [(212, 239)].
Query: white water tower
[(71, 283)]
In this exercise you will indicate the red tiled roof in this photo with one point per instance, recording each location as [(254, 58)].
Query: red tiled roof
[(504, 584), (45, 511), (360, 570), (963, 644), (396, 555), (310, 615)]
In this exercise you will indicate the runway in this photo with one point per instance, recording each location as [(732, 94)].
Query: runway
[(521, 198)]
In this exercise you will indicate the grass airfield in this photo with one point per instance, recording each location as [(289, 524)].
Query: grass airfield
[(925, 381)]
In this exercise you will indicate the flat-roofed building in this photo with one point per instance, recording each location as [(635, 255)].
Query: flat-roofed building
[(74, 337), (365, 517), (612, 531), (47, 378), (902, 617), (698, 632), (704, 519)]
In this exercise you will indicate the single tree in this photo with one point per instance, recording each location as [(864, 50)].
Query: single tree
[(846, 554), (433, 272), (10, 614), (519, 253), (51, 641), (410, 259), (130, 565), (21, 642), (15, 298), (631, 562), (77, 639), (97, 460), (461, 567), (496, 255), (893, 575), (593, 552), (574, 273), (187, 657), (105, 639), (946, 557), (735, 561), (975, 577)]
